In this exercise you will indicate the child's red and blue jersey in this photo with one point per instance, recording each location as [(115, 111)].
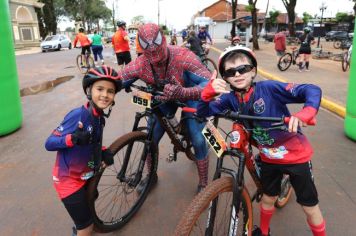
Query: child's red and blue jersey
[(73, 164), (270, 99)]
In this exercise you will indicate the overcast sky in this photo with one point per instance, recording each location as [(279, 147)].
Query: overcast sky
[(177, 13)]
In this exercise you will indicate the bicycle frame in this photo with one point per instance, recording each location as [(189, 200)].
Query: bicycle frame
[(245, 155), (179, 145)]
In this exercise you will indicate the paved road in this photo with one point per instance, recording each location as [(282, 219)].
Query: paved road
[(29, 205)]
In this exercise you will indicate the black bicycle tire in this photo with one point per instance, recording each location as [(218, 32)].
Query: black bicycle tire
[(79, 64), (280, 62), (344, 63), (202, 202), (206, 61), (93, 194), (286, 192)]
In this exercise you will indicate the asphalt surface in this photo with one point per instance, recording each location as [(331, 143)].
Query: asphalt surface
[(29, 205)]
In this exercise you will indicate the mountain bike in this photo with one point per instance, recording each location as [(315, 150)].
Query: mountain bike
[(209, 63), (287, 59), (113, 195), (225, 205), (84, 65), (346, 59)]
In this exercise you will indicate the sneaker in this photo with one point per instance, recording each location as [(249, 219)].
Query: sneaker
[(141, 186), (102, 62), (307, 70), (257, 232), (300, 70)]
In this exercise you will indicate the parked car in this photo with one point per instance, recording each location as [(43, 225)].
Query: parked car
[(56, 42), (336, 35), (109, 39), (269, 36)]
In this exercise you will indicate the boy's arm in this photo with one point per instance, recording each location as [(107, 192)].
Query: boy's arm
[(308, 94), (208, 106), (61, 137)]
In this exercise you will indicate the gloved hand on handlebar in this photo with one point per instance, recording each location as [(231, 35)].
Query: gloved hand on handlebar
[(178, 92)]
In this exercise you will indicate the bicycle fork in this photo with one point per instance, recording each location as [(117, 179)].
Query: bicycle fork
[(133, 181)]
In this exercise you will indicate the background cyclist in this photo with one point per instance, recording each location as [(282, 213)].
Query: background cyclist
[(121, 45), (194, 44), (204, 36), (305, 50), (84, 41), (291, 151), (181, 76)]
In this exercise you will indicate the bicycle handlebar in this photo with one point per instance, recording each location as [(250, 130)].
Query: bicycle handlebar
[(236, 116)]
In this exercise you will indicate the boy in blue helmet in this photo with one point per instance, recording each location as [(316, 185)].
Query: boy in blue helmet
[(291, 152), (78, 142)]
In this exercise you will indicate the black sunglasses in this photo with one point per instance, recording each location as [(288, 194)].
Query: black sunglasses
[(243, 69)]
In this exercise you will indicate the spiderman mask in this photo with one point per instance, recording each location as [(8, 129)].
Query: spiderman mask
[(153, 43)]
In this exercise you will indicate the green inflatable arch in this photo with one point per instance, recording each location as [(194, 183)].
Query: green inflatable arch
[(10, 104), (350, 119)]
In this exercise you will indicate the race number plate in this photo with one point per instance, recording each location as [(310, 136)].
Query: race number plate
[(214, 138), (142, 99)]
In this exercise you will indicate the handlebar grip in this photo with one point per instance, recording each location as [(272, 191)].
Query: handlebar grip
[(312, 122), (189, 109)]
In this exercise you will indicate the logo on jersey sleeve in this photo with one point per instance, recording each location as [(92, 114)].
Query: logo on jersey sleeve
[(60, 128), (90, 128), (259, 106)]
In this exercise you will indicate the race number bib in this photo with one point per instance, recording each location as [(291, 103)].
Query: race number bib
[(142, 99), (214, 138)]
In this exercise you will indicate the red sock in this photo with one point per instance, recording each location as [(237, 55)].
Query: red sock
[(265, 218), (318, 230)]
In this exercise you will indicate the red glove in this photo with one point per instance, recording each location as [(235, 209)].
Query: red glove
[(208, 92), (306, 114), (177, 92)]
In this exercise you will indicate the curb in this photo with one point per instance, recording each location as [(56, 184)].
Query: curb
[(325, 103)]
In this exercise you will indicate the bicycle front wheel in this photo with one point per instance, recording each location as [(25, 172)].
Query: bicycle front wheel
[(285, 61), (286, 191), (114, 201), (337, 44), (210, 64), (200, 211)]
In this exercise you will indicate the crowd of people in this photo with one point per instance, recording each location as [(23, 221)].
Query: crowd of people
[(181, 76)]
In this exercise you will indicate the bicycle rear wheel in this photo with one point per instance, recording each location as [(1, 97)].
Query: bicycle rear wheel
[(285, 61), (344, 62), (337, 44), (209, 64), (286, 191), (195, 218), (113, 202)]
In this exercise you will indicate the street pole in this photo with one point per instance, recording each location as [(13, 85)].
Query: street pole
[(322, 9), (158, 12)]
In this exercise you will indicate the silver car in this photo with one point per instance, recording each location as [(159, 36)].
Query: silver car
[(56, 42)]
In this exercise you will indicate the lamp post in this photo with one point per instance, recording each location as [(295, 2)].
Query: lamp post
[(322, 9), (158, 11)]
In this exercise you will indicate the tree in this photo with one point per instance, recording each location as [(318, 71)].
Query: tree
[(290, 7), (343, 17), (306, 18), (233, 15), (273, 15), (137, 19), (87, 11), (49, 16), (252, 8)]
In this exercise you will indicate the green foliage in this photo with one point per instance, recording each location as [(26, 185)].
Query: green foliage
[(306, 17), (137, 19), (343, 17), (273, 15)]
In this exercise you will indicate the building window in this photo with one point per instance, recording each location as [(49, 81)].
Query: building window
[(26, 34)]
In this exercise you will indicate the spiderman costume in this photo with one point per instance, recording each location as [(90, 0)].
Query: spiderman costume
[(182, 77)]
